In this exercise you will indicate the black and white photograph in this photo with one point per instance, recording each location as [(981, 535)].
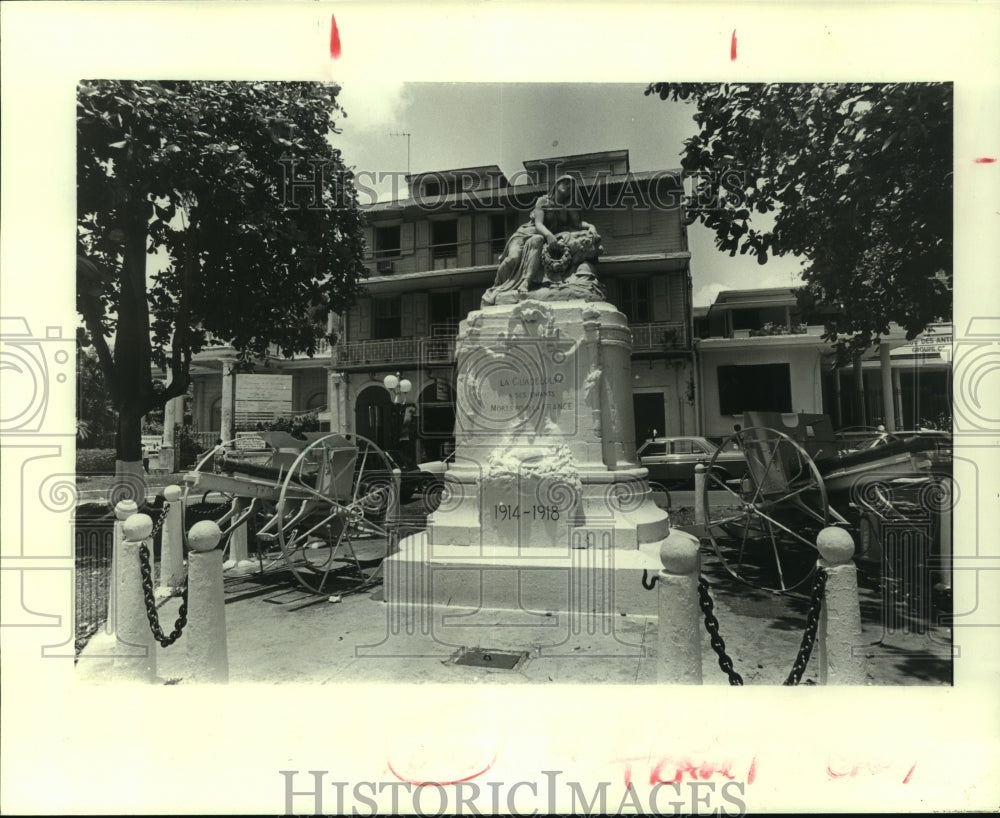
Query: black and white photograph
[(436, 435)]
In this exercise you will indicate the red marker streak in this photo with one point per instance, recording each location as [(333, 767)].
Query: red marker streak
[(752, 773), (984, 160), (334, 38), (440, 783), (732, 47), (907, 779), (702, 771)]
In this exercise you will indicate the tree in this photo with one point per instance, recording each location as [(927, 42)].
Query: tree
[(95, 414), (858, 177), (208, 212)]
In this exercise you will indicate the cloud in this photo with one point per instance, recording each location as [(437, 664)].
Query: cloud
[(372, 102), (704, 296)]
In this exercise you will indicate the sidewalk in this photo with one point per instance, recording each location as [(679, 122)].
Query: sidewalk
[(360, 639)]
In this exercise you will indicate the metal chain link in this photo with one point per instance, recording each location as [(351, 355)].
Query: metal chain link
[(148, 597), (712, 626), (809, 635), (160, 520)]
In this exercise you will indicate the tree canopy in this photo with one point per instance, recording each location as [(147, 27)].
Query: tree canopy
[(858, 177), (208, 212)]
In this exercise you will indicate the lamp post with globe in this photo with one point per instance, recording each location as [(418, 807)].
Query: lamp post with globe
[(403, 441)]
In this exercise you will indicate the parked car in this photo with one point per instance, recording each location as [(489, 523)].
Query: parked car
[(433, 485), (672, 459), (862, 438), (411, 480)]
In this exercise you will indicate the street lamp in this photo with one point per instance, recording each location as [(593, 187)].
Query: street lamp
[(397, 389)]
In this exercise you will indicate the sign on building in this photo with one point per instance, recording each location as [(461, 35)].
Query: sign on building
[(261, 398)]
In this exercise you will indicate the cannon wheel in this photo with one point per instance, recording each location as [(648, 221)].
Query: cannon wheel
[(319, 524), (764, 531)]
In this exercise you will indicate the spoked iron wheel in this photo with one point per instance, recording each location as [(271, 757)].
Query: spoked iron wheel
[(339, 494), (764, 531)]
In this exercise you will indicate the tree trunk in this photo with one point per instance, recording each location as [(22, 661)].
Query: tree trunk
[(132, 360), (130, 476)]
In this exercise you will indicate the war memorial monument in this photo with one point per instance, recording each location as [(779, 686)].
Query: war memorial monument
[(546, 507)]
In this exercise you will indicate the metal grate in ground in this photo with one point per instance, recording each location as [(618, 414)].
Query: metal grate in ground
[(490, 659)]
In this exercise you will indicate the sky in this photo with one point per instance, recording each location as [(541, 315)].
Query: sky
[(464, 124)]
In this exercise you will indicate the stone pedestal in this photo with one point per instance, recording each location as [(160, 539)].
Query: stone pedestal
[(545, 468), (545, 444)]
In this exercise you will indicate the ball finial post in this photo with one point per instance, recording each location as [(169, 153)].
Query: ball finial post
[(204, 535), (836, 545)]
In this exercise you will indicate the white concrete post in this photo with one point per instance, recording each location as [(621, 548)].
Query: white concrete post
[(897, 398), (839, 632), (700, 509), (172, 544), (173, 412), (888, 399), (228, 417), (206, 628), (124, 510), (679, 653), (334, 381), (135, 657), (238, 553)]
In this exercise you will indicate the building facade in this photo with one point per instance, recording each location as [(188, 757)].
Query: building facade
[(434, 254), (430, 258), (756, 352)]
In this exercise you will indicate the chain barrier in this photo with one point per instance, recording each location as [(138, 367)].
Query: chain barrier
[(160, 520), (809, 635), (712, 626), (147, 592)]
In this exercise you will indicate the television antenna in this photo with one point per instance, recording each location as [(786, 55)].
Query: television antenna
[(403, 133)]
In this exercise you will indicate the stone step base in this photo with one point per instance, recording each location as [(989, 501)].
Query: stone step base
[(582, 582)]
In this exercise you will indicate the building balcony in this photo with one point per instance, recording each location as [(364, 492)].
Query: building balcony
[(397, 352), (439, 350), (663, 336)]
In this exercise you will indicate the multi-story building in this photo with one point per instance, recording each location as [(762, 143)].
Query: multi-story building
[(433, 255), (755, 352), (430, 257)]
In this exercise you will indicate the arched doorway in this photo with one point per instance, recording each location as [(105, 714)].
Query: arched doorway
[(437, 420), (373, 416)]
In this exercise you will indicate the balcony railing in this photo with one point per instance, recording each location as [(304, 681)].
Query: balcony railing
[(322, 351), (401, 351), (440, 349), (664, 335)]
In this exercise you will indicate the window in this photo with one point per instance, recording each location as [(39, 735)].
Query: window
[(631, 222), (684, 447), (444, 244), (755, 388), (387, 241), (746, 319), (445, 312), (498, 234), (633, 299), (386, 317), (432, 189), (654, 450)]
